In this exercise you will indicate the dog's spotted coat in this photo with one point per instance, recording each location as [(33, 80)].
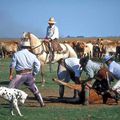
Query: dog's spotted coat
[(13, 96)]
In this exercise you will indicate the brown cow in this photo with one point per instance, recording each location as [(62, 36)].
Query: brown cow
[(7, 48)]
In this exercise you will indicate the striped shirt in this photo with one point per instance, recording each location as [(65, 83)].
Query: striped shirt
[(92, 68)]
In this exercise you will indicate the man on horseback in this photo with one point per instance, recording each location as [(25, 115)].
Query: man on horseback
[(52, 30), (51, 36)]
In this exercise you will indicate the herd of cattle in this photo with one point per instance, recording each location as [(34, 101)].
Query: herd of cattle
[(96, 48), (93, 48)]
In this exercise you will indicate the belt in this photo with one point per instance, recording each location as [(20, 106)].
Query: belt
[(25, 71)]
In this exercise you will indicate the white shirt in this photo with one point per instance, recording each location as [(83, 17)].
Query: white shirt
[(114, 68), (73, 65), (52, 32)]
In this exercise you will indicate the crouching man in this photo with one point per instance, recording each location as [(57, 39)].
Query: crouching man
[(114, 68), (91, 68), (69, 69)]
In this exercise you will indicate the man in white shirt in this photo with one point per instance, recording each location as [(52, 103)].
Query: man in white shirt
[(52, 30), (69, 68), (114, 68)]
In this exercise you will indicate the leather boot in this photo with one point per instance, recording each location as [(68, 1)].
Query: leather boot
[(39, 99), (61, 91)]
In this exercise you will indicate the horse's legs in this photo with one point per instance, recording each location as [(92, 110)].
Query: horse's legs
[(42, 75)]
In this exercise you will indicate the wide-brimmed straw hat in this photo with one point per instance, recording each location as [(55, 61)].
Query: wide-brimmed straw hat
[(25, 43), (51, 20)]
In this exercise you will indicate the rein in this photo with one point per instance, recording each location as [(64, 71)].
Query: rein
[(36, 46), (43, 50), (33, 48)]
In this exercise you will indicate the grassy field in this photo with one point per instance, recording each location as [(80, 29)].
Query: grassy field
[(53, 110)]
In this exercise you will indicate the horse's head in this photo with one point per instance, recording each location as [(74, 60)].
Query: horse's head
[(34, 42), (27, 36)]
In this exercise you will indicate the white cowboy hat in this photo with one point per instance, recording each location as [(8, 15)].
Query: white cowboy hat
[(25, 43), (51, 20), (106, 58)]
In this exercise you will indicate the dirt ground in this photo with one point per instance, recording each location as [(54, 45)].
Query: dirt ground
[(51, 98)]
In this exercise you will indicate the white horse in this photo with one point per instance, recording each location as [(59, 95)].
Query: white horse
[(38, 48)]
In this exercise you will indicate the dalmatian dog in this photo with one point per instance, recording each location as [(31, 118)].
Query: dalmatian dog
[(13, 96)]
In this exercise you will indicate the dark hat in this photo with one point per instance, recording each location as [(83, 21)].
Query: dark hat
[(84, 60)]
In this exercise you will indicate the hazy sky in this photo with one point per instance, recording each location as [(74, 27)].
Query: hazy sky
[(87, 18)]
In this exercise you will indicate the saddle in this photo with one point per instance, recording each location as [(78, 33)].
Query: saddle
[(53, 46), (56, 45)]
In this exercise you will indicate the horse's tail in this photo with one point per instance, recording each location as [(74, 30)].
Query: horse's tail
[(72, 52)]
